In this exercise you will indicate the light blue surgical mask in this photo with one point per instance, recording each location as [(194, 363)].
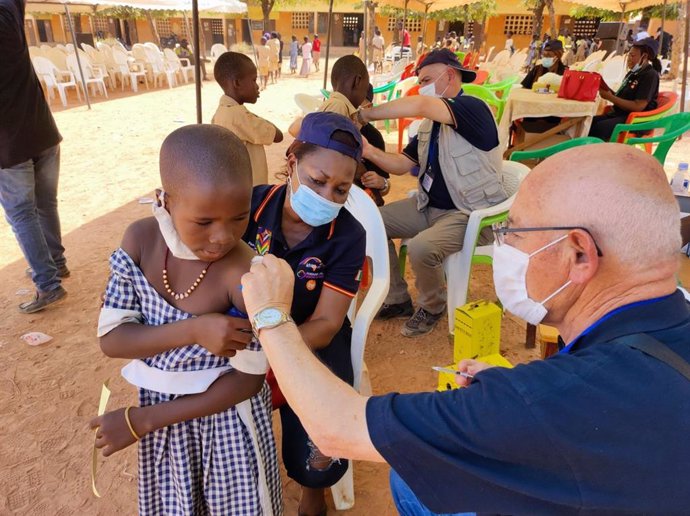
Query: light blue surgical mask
[(636, 68), (310, 206), (547, 62)]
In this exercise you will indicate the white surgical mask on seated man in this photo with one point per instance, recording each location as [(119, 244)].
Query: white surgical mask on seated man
[(429, 89), (510, 281)]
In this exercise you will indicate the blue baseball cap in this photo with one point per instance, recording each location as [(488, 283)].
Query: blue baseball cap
[(318, 128), (448, 58), (650, 44)]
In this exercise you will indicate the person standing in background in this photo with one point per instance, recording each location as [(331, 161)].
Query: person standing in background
[(509, 46), (306, 58), (294, 51), (316, 51), (378, 44), (29, 163)]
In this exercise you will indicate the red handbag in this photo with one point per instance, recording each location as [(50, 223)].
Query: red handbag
[(582, 86)]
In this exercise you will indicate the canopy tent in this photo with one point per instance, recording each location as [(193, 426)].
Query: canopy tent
[(221, 6)]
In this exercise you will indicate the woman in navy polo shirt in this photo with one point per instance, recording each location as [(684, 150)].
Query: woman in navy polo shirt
[(303, 222)]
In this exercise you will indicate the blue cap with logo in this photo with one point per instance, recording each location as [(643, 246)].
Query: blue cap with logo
[(448, 58), (318, 129)]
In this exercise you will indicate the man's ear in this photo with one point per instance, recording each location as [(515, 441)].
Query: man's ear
[(585, 257)]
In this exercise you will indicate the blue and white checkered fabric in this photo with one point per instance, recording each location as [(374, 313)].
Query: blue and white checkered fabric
[(206, 466)]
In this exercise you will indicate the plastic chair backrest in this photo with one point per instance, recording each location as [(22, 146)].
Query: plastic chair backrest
[(45, 69), (171, 56), (674, 126), (35, 52), (363, 208), (487, 96), (139, 53), (482, 76), (308, 103), (73, 66), (665, 102), (402, 87), (502, 58), (554, 149), (489, 54), (613, 70), (58, 58), (152, 46), (408, 71)]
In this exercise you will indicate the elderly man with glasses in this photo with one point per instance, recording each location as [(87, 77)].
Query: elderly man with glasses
[(592, 248)]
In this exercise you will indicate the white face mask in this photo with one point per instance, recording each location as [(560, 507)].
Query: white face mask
[(167, 228), (429, 90), (510, 281)]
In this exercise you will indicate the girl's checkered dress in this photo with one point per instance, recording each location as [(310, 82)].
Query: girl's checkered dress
[(206, 466)]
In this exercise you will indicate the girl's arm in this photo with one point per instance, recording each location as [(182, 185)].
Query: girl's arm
[(227, 391), (220, 334)]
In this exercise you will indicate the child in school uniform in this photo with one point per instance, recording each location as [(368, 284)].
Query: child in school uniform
[(263, 61), (172, 280), (351, 89), (236, 74)]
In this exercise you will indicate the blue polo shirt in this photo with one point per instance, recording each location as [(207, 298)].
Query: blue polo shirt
[(473, 120), (331, 256), (600, 430)]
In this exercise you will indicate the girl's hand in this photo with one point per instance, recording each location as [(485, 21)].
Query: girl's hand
[(221, 334), (373, 180), (112, 434)]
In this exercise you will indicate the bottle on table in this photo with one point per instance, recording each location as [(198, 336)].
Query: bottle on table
[(681, 179)]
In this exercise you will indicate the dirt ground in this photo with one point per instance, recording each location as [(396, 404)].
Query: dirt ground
[(49, 393)]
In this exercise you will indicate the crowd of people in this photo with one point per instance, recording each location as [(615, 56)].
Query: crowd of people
[(232, 276)]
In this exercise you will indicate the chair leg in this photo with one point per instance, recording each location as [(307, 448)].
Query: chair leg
[(344, 491), (63, 96)]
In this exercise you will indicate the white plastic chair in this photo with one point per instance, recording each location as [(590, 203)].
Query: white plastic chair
[(45, 47), (35, 52), (178, 64), (217, 50), (458, 265), (403, 87), (152, 46), (54, 78), (70, 48), (59, 59), (613, 71), (487, 58), (159, 68), (363, 208), (126, 70), (91, 77), (592, 66), (308, 103)]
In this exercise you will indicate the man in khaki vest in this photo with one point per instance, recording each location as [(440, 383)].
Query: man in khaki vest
[(459, 161)]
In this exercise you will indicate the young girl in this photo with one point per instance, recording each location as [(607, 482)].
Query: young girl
[(294, 50), (171, 281)]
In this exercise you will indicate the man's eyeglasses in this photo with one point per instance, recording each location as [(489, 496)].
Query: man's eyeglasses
[(500, 230)]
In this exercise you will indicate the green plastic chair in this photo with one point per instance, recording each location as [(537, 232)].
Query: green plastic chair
[(326, 94), (387, 89), (461, 56), (674, 126), (502, 88), (487, 96), (540, 154)]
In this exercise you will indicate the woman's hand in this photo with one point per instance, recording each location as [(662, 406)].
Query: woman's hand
[(471, 367), (112, 432), (373, 180), (269, 283)]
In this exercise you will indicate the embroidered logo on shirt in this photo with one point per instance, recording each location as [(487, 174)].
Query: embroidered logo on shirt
[(263, 241), (310, 268)]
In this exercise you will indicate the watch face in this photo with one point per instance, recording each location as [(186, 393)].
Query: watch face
[(269, 316)]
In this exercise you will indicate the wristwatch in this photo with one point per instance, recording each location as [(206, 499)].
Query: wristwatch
[(269, 318)]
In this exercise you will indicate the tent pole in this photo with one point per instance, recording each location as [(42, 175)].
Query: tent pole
[(76, 53), (424, 23), (328, 42), (684, 87), (197, 59), (251, 39), (366, 32), (402, 33)]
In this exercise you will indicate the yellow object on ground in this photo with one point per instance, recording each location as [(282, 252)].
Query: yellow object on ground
[(548, 340), (477, 330)]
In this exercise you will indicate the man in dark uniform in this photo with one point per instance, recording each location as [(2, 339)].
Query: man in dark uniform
[(29, 162), (638, 92)]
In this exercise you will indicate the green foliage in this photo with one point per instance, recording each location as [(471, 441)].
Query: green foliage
[(128, 13), (476, 11), (672, 12)]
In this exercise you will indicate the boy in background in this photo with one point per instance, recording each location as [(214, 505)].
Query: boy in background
[(263, 58), (236, 74)]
